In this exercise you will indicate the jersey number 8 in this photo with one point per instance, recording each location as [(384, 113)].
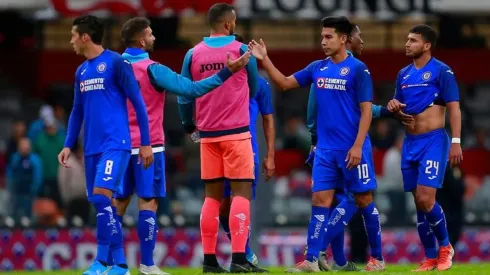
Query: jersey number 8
[(108, 167)]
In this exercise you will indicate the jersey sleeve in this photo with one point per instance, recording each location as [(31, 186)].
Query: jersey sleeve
[(127, 83), (186, 104), (364, 84), (398, 89), (252, 73), (448, 85), (163, 77), (264, 98), (311, 115), (76, 116), (305, 76)]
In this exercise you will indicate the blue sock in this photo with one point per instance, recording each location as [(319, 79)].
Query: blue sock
[(225, 223), (147, 232), (110, 259), (248, 250), (437, 222), (426, 236), (339, 218), (117, 247), (370, 215), (104, 216), (337, 246), (316, 231)]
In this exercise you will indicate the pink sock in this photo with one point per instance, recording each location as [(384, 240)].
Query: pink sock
[(239, 223), (209, 225)]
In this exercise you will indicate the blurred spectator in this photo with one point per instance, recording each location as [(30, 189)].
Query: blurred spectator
[(37, 127), (297, 135), (47, 145), (24, 178), (479, 141), (18, 132), (450, 197), (382, 137), (72, 187), (393, 182)]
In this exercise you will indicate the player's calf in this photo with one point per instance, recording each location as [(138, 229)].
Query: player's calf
[(372, 224), (224, 215), (147, 229), (240, 220)]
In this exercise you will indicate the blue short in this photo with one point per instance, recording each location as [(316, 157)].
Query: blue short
[(148, 183), (105, 170), (227, 191), (330, 172), (424, 159)]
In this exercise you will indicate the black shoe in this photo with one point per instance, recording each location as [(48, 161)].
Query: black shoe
[(256, 269), (213, 269), (240, 268)]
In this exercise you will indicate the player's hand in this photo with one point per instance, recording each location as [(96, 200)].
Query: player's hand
[(258, 50), (395, 106), (354, 156), (404, 118), (63, 157), (311, 156), (268, 167), (455, 154), (195, 137), (237, 64), (145, 155)]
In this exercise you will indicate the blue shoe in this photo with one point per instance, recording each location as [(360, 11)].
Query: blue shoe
[(96, 268), (117, 270), (252, 258)]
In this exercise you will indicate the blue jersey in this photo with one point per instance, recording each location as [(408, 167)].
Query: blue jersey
[(102, 86), (339, 89), (262, 102), (421, 88)]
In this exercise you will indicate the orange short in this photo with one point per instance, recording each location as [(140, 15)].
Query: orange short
[(227, 159)]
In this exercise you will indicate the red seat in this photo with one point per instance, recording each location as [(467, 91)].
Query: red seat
[(476, 162), (378, 157), (288, 160)]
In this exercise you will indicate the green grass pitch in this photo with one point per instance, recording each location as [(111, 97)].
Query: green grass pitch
[(483, 268)]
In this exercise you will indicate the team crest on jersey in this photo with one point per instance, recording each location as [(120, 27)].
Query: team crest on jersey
[(320, 82), (344, 71), (426, 76), (82, 87), (101, 67)]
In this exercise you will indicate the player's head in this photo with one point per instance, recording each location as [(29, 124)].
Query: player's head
[(421, 39), (86, 31), (355, 42), (335, 34), (238, 37), (137, 33), (222, 18)]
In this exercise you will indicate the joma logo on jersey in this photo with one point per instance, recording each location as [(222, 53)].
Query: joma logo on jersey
[(92, 84), (211, 67), (331, 83)]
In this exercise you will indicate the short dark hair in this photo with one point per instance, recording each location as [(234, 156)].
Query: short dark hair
[(427, 32), (217, 11), (341, 24), (133, 27), (91, 25), (238, 37)]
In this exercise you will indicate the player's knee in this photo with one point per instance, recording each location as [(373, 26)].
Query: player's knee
[(322, 198), (150, 204), (214, 190), (424, 202), (363, 199), (242, 189), (102, 191), (224, 207), (121, 205)]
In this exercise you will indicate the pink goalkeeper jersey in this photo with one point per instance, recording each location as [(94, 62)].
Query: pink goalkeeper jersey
[(154, 101), (223, 111)]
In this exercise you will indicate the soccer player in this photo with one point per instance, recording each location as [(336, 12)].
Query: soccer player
[(427, 87), (154, 79), (354, 46), (262, 102), (223, 121), (343, 155), (103, 83)]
